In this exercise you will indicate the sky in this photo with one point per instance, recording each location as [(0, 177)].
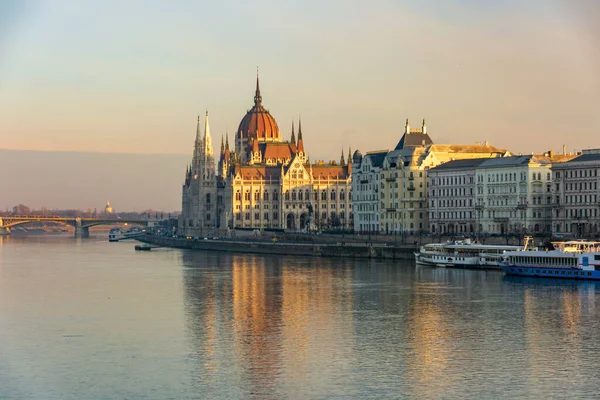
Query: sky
[(131, 76)]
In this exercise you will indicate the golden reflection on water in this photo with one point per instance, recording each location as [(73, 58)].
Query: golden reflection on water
[(428, 337)]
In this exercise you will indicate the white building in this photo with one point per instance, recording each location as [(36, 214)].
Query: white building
[(514, 195), (365, 189), (576, 195)]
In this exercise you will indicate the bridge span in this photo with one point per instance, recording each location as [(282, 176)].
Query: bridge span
[(81, 225)]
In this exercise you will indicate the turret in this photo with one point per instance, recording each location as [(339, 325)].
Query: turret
[(424, 127)]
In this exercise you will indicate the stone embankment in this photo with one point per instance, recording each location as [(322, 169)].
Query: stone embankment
[(293, 248)]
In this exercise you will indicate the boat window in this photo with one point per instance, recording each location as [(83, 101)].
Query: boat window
[(597, 258), (555, 272), (562, 272), (589, 274)]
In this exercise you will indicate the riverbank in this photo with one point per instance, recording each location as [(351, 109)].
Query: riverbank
[(311, 249)]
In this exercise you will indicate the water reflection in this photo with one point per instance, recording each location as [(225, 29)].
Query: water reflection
[(285, 328)]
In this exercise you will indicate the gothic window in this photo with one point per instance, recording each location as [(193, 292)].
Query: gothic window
[(238, 216), (300, 195), (247, 196), (323, 195), (238, 196), (247, 216), (275, 196), (275, 216), (207, 198), (324, 215), (208, 217), (256, 216), (256, 196), (287, 195), (266, 216), (294, 195), (266, 195), (342, 195), (332, 197)]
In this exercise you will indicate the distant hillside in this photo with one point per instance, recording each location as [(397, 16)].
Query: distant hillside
[(87, 180)]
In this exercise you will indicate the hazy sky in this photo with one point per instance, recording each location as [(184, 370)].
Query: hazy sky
[(130, 76)]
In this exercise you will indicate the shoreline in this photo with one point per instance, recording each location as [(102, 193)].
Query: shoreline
[(339, 249)]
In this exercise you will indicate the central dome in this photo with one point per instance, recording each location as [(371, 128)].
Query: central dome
[(258, 122)]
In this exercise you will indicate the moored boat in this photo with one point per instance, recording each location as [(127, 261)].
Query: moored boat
[(576, 259), (464, 254)]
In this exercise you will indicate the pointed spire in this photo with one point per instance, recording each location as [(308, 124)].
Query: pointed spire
[(293, 134), (342, 161), (222, 146), (300, 145), (198, 130), (257, 96), (226, 140), (208, 149), (349, 156)]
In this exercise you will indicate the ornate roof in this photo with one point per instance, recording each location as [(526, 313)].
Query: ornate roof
[(258, 122)]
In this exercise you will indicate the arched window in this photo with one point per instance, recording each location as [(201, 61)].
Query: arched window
[(275, 196), (207, 198), (332, 196), (238, 196), (287, 195), (266, 196), (323, 195), (294, 195)]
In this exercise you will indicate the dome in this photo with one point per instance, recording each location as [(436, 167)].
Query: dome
[(259, 121), (357, 157)]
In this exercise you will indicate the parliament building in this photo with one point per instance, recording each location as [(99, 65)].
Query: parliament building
[(265, 182)]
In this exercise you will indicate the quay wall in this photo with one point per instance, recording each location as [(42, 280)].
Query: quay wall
[(346, 250)]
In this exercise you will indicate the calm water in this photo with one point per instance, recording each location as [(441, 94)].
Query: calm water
[(88, 319)]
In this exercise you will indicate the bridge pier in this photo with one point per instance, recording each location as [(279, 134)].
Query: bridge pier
[(81, 231)]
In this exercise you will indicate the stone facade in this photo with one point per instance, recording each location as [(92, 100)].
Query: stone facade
[(393, 197), (265, 183), (451, 197), (576, 195)]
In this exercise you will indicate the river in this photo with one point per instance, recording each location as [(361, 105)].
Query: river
[(88, 319)]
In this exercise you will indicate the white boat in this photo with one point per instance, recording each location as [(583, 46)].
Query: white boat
[(465, 254), (117, 234), (576, 259)]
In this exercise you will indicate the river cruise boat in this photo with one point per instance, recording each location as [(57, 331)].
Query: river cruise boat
[(464, 254), (117, 234), (575, 259)]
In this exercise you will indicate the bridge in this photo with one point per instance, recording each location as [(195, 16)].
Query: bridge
[(81, 225)]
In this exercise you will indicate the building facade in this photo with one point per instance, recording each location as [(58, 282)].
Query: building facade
[(576, 195), (393, 197), (266, 182), (451, 196)]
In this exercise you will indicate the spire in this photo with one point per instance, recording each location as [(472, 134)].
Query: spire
[(222, 146), (300, 145), (407, 127), (226, 140), (208, 149), (342, 161), (198, 129), (349, 156), (293, 134), (257, 96), (424, 127)]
